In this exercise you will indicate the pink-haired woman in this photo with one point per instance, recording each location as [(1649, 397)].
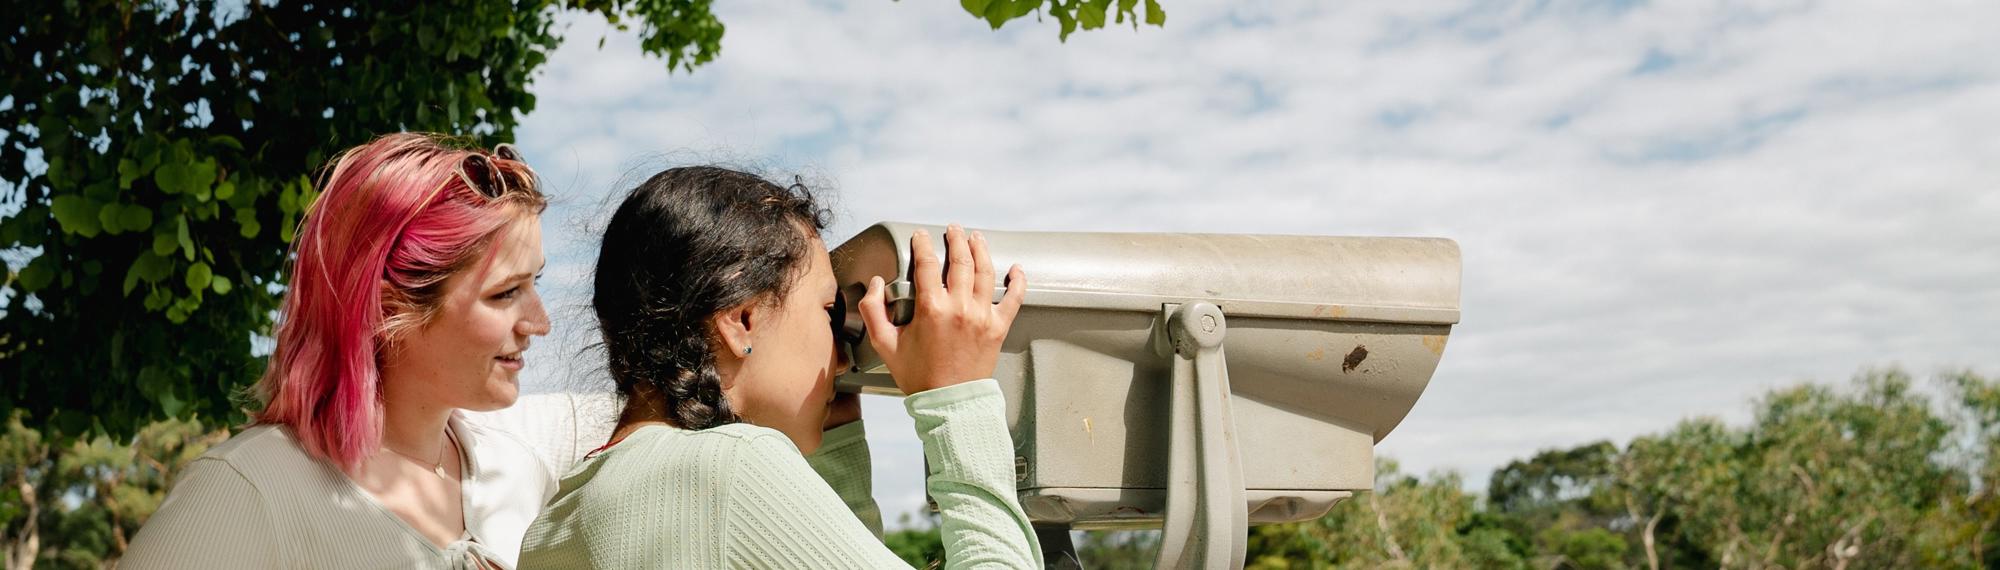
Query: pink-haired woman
[(412, 298)]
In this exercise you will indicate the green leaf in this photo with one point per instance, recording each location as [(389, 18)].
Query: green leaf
[(164, 243), (198, 276), (157, 299), (128, 171), (975, 7), (225, 140), (998, 12), (152, 268), (184, 307), (307, 193), (108, 217), (131, 279), (36, 275), (1025, 7), (181, 237), (246, 222), (1155, 15), (57, 173), (201, 178), (168, 402), (225, 190), (221, 285), (246, 190), (76, 214), (1090, 13), (136, 218), (171, 177), (181, 151), (149, 155)]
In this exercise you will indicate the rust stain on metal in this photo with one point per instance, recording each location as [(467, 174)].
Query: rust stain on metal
[(1329, 311), (1435, 342), (1354, 358)]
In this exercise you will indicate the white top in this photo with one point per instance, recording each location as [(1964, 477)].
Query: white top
[(259, 501)]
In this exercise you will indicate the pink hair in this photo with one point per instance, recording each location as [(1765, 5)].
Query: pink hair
[(395, 219)]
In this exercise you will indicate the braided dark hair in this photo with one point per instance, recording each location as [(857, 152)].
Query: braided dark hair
[(687, 243)]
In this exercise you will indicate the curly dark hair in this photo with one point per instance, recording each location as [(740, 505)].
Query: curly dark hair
[(687, 243)]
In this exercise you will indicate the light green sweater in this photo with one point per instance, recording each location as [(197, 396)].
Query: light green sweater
[(741, 496)]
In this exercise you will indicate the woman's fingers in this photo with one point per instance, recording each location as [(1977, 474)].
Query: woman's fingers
[(982, 270), (1017, 289), (958, 267), (875, 314), (925, 275)]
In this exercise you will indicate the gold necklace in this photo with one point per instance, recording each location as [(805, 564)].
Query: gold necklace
[(436, 466)]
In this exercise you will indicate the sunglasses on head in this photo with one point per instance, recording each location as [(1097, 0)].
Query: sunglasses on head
[(484, 176)]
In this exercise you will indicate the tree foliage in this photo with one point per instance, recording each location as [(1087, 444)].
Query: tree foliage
[(156, 156), (159, 156), (77, 506), (1069, 14), (1875, 475)]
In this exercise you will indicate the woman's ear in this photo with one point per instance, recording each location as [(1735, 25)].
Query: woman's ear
[(733, 328)]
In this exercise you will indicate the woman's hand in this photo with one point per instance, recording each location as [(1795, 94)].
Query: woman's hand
[(955, 332)]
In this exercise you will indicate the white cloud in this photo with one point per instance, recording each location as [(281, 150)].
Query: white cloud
[(1664, 208)]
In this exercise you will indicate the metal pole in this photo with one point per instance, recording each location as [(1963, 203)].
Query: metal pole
[(1207, 519)]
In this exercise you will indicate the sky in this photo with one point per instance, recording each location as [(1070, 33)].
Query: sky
[(1664, 209)]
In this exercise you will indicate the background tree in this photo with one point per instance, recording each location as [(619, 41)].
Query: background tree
[(76, 506), (1870, 475), (1979, 424), (1407, 522), (1559, 504), (921, 545), (156, 156), (24, 458)]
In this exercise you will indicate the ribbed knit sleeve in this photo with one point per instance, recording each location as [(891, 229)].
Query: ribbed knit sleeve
[(779, 519), (842, 460), (971, 457), (780, 515), (214, 518)]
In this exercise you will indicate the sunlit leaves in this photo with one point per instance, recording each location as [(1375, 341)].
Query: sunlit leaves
[(155, 183), (1069, 14)]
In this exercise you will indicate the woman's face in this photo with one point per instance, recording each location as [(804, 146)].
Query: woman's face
[(470, 355), (786, 381)]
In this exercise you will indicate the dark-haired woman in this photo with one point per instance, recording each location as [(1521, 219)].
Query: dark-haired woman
[(715, 293)]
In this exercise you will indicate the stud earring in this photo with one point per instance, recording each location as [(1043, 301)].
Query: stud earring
[(746, 351)]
